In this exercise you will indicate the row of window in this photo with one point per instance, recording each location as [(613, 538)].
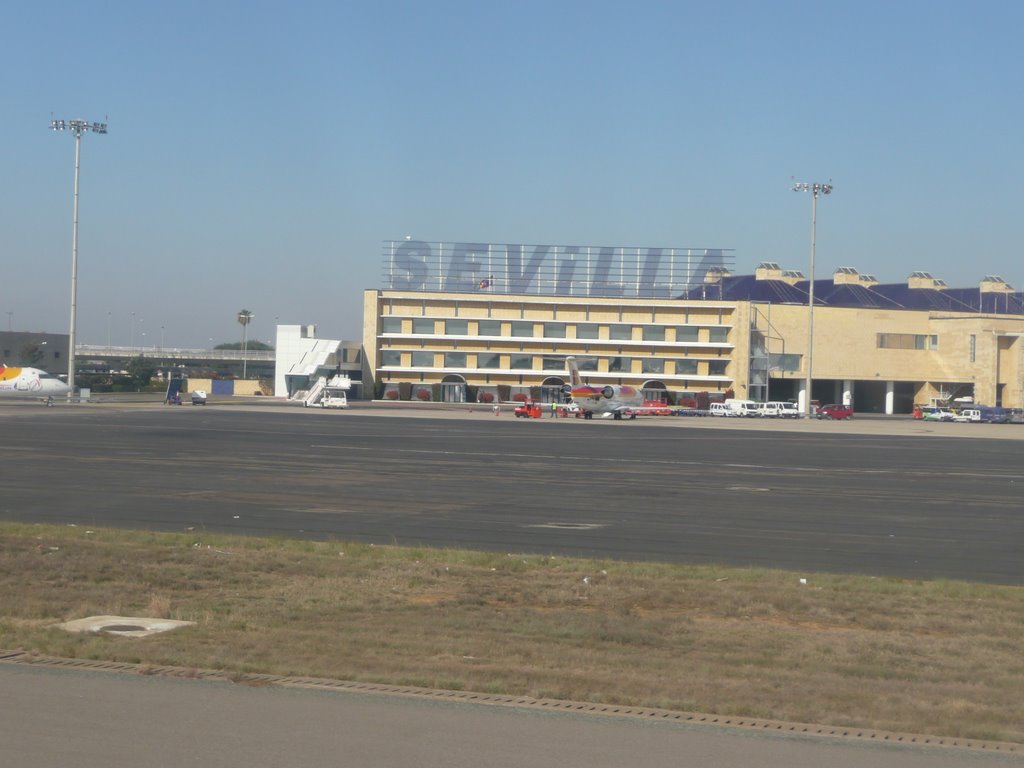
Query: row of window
[(525, 362), (528, 329), (907, 341)]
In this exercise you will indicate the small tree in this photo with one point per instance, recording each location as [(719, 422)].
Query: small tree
[(140, 372), (423, 394)]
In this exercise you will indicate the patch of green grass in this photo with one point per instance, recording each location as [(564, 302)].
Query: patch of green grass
[(933, 657)]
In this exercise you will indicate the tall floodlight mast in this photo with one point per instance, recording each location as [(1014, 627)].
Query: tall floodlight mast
[(77, 127), (815, 188)]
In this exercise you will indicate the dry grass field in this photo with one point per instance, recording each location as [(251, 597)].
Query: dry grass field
[(941, 658)]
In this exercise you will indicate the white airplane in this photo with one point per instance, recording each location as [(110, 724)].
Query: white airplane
[(30, 382), (609, 400)]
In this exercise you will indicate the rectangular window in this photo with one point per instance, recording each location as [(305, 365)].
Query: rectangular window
[(717, 367), (586, 363), (687, 333), (522, 328), (423, 325), (974, 347), (620, 364), (454, 359), (456, 327), (423, 359), (652, 365), (718, 335), (488, 327), (654, 333), (391, 357), (554, 330), (786, 363), (391, 325), (553, 362), (620, 332), (907, 341), (586, 330), (521, 363), (488, 360), (686, 367)]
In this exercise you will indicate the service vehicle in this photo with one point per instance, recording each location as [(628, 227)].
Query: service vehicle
[(199, 397), (334, 400)]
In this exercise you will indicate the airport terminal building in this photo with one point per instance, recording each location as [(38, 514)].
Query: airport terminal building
[(471, 322)]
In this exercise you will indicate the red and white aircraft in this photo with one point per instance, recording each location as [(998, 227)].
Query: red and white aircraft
[(609, 400)]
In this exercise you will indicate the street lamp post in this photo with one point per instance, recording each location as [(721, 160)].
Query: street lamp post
[(78, 127), (815, 188)]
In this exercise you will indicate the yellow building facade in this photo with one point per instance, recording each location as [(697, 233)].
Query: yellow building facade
[(465, 346)]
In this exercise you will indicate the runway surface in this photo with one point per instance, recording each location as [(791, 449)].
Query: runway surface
[(902, 501)]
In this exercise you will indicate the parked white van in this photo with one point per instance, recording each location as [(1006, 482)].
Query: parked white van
[(789, 411), (770, 410), (742, 407), (719, 409)]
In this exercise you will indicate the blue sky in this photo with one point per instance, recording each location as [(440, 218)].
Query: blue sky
[(260, 152)]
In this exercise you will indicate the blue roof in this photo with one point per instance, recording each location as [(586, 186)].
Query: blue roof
[(887, 296)]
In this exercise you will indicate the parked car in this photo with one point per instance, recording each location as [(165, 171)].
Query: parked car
[(935, 413), (1015, 415), (836, 411), (720, 409), (199, 397)]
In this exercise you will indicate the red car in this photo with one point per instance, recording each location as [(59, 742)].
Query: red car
[(835, 411)]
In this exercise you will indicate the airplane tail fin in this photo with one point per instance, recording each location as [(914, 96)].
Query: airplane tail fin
[(574, 371)]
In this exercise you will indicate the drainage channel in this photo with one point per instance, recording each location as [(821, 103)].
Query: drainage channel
[(645, 713)]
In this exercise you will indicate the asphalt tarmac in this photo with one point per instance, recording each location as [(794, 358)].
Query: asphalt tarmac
[(893, 498), (60, 718)]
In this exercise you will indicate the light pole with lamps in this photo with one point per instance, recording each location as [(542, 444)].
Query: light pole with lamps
[(78, 127), (815, 188)]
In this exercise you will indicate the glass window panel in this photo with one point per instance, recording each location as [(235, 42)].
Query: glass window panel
[(686, 367), (620, 364), (454, 359), (586, 363), (654, 333), (653, 365), (522, 328), (687, 333), (620, 332), (522, 362), (423, 359), (553, 362), (422, 325), (488, 360), (587, 330), (456, 327), (390, 357), (391, 325), (554, 330), (717, 367), (488, 327), (719, 335)]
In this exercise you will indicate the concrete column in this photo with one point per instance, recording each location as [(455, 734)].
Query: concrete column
[(847, 392), (890, 396), (801, 396)]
